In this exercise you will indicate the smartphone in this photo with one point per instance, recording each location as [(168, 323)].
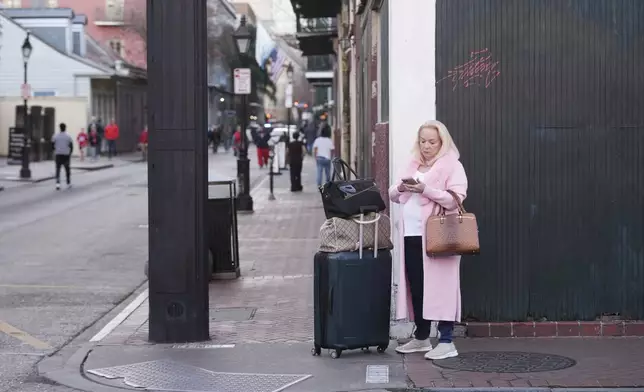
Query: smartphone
[(409, 181)]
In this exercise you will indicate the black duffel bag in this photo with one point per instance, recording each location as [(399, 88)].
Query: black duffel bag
[(344, 198)]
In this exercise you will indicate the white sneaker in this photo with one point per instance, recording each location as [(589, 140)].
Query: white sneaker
[(57, 186), (442, 351), (414, 346)]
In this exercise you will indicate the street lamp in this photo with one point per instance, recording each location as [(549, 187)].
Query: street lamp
[(289, 72), (243, 39), (25, 172)]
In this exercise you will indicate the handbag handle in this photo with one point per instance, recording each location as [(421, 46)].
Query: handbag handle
[(459, 203), (340, 166)]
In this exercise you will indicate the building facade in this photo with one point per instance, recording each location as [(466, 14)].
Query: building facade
[(542, 99), (118, 25)]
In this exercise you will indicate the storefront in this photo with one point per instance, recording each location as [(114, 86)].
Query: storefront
[(543, 99)]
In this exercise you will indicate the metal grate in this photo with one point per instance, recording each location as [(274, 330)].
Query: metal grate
[(506, 362), (164, 375)]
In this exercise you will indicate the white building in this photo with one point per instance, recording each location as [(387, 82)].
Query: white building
[(67, 71), (276, 15)]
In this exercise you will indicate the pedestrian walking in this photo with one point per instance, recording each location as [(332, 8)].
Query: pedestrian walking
[(323, 152), (432, 282), (94, 144), (261, 138), (143, 143), (96, 125), (111, 135), (63, 147), (81, 139), (310, 134), (237, 140), (295, 153)]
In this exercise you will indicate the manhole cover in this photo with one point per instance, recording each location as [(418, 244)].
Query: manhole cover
[(506, 362), (164, 375), (232, 314)]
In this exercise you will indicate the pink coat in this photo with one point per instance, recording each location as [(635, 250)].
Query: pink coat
[(442, 290)]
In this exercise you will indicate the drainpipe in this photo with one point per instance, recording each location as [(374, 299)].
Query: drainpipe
[(345, 48)]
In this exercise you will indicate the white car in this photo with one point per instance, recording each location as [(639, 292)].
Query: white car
[(278, 132)]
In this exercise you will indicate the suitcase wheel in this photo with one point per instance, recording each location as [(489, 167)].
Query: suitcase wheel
[(365, 350), (315, 351), (336, 354), (382, 348)]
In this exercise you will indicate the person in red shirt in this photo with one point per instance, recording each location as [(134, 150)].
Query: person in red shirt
[(111, 135), (82, 140), (143, 143), (237, 140)]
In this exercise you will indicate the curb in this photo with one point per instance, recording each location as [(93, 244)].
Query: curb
[(29, 181), (510, 389), (65, 366), (93, 168)]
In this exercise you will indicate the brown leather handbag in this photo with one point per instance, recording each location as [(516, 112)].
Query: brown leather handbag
[(451, 235)]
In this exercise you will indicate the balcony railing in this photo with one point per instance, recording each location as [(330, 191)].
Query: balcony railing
[(320, 26), (114, 15), (319, 63)]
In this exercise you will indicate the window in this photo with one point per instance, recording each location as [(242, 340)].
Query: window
[(44, 3), (117, 46), (13, 3), (114, 10)]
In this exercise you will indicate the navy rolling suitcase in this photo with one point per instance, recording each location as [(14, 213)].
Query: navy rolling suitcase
[(352, 301)]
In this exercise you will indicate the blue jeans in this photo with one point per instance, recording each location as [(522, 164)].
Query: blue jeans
[(324, 165), (415, 278), (111, 148)]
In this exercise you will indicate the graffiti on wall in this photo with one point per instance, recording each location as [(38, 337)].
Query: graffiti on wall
[(479, 70)]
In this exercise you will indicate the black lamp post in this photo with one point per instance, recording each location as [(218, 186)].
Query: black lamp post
[(243, 39), (289, 100), (25, 172)]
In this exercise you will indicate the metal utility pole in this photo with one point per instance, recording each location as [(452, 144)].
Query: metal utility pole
[(243, 87), (177, 170), (25, 171)]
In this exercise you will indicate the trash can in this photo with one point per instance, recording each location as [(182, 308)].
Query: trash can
[(221, 226)]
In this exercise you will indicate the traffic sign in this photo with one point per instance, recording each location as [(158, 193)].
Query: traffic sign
[(26, 90), (242, 81), (289, 96)]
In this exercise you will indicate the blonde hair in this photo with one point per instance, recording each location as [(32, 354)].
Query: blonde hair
[(446, 141)]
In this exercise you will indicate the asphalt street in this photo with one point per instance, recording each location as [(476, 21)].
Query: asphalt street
[(66, 258)]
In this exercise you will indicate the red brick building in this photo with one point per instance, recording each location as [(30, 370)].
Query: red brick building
[(116, 24)]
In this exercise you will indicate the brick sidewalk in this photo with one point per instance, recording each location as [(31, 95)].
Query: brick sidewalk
[(277, 244), (596, 362)]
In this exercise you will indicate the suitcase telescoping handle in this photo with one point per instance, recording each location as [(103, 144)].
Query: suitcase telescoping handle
[(362, 222), (330, 302)]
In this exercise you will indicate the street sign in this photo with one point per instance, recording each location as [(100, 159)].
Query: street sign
[(25, 90), (289, 96), (242, 81)]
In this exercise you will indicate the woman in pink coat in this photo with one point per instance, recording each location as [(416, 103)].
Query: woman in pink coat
[(429, 287)]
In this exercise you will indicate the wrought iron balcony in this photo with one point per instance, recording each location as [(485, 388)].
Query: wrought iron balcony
[(320, 69), (316, 8), (319, 63), (109, 16), (317, 26), (316, 35)]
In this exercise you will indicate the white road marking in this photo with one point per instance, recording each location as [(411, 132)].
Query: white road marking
[(202, 346), (118, 320)]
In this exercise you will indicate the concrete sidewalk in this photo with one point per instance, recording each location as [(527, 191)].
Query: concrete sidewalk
[(262, 328)]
